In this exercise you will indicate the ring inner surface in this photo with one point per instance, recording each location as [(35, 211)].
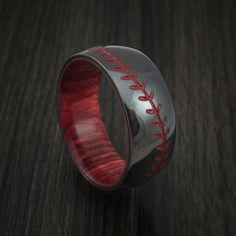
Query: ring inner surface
[(93, 122)]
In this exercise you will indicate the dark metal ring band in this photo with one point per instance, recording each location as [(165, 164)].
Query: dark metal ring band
[(146, 105)]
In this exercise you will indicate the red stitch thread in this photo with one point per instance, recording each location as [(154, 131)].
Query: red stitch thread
[(146, 97)]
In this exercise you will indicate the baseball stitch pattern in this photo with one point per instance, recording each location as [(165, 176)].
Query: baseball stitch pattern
[(146, 96)]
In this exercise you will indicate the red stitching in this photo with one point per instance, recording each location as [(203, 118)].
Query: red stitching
[(146, 97)]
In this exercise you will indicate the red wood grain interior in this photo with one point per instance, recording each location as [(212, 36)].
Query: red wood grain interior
[(83, 127)]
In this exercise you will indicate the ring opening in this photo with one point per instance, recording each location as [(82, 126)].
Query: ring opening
[(85, 102)]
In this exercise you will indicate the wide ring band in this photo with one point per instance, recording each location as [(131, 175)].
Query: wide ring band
[(146, 106)]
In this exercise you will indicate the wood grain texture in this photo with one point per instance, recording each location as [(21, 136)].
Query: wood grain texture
[(193, 43)]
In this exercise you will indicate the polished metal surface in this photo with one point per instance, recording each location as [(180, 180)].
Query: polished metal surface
[(143, 161)]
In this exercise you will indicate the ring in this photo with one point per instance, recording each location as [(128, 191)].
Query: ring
[(128, 83)]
